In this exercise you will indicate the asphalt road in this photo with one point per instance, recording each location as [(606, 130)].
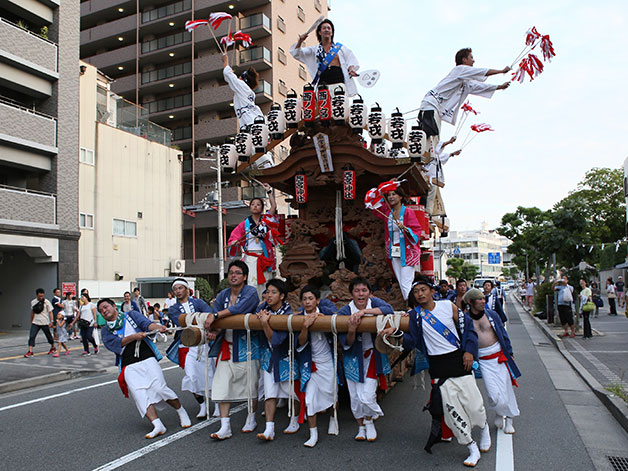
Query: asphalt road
[(87, 424)]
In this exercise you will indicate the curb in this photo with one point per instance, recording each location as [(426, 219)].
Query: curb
[(47, 379), (616, 406)]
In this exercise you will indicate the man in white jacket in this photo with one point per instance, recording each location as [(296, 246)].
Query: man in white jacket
[(243, 93), (329, 62)]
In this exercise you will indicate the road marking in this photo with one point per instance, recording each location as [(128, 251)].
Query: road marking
[(162, 443), (35, 354), (601, 367), (67, 393), (504, 456)]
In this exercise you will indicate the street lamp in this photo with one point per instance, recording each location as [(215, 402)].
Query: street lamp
[(221, 240)]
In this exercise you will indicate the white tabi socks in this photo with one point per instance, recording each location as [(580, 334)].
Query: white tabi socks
[(361, 436), (371, 433), (225, 429), (216, 410), (509, 428), (293, 427), (159, 429), (184, 418), (485, 439), (202, 413), (250, 424), (269, 432), (311, 443), (333, 426), (474, 455)]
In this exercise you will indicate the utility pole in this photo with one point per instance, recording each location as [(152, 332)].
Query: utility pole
[(221, 238)]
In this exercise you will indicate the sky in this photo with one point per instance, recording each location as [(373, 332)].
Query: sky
[(548, 132)]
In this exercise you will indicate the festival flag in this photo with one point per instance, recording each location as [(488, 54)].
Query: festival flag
[(228, 40), (531, 36), (547, 47), (388, 186), (215, 19), (244, 38), (373, 199), (481, 127), (193, 24), (468, 108)]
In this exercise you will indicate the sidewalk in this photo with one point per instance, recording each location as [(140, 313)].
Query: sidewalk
[(600, 361), (17, 372)]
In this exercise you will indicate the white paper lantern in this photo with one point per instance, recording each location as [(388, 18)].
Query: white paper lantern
[(417, 143), (276, 122), (397, 129), (292, 110), (379, 148), (357, 115), (339, 108), (259, 134), (244, 146), (228, 157), (376, 124)]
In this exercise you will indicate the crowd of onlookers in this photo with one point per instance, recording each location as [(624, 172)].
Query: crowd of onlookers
[(64, 318)]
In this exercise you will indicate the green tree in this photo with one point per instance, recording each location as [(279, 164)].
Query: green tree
[(458, 269), (204, 290)]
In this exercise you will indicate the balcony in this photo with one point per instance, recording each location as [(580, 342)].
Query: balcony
[(258, 25), (35, 51), (113, 58), (28, 129), (258, 57), (107, 34), (216, 130), (21, 205)]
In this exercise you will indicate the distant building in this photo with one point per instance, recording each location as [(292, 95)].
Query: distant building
[(129, 192), (483, 248), (39, 80)]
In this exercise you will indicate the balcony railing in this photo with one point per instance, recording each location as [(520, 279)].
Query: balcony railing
[(27, 125), (166, 10), (166, 41), (169, 103), (28, 45), (119, 113), (22, 205), (167, 72), (254, 54), (259, 19)]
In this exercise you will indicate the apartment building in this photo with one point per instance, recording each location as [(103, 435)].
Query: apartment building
[(177, 77), (129, 192), (39, 79)]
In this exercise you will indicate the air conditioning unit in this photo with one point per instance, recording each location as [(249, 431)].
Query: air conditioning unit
[(177, 266)]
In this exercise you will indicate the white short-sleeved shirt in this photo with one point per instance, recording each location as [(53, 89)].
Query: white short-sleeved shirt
[(437, 344)]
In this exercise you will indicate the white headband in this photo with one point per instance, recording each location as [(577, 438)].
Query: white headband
[(180, 282)]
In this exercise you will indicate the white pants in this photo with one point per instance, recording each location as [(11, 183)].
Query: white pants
[(273, 390), (501, 395), (463, 407), (194, 379), (319, 392), (147, 385), (364, 395), (404, 275), (251, 262)]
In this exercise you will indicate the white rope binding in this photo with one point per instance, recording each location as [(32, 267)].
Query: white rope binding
[(392, 320), (334, 330), (249, 371)]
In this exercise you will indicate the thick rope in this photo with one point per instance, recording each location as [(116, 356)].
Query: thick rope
[(334, 330), (291, 368), (392, 320), (249, 371)]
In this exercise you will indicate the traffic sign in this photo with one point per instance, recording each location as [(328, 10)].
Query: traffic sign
[(494, 258), (457, 251)]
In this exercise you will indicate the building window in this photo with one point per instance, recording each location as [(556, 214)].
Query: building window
[(86, 221), (283, 90), (318, 6), (281, 55), (281, 24), (300, 14), (302, 72), (168, 10), (124, 228), (87, 156)]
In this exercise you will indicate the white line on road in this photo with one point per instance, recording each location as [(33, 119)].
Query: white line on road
[(66, 393), (162, 443), (601, 367), (504, 456)]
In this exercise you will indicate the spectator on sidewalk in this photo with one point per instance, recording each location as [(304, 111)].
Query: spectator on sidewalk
[(171, 301), (86, 320), (140, 301), (530, 288), (586, 295), (70, 311), (491, 296), (128, 304), (62, 335), (57, 307), (565, 298), (611, 292), (619, 288), (596, 295), (41, 319)]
